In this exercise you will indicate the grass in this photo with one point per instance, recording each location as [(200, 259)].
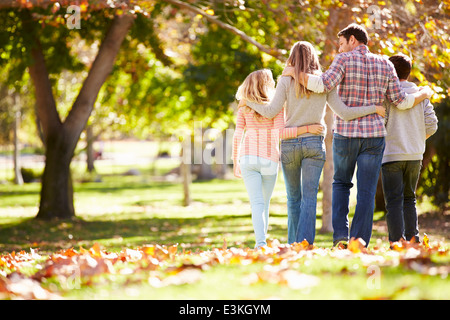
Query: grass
[(137, 211), (130, 211)]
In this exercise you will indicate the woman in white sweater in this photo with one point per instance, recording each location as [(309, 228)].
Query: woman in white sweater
[(303, 157)]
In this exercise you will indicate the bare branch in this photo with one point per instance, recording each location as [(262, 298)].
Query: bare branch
[(270, 51)]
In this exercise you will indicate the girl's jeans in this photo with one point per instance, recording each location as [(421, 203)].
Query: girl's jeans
[(302, 160), (260, 176)]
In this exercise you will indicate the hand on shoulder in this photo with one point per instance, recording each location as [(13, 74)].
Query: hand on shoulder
[(427, 91), (288, 71), (242, 103)]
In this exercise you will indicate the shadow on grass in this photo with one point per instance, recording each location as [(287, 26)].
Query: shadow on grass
[(132, 230), (190, 233), (114, 234), (120, 186), (193, 233)]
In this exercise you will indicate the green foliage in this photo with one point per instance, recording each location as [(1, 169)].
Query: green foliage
[(6, 118), (436, 178), (14, 52), (30, 175), (143, 31), (147, 97), (16, 41), (221, 64)]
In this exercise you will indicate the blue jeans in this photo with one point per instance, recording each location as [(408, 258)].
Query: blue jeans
[(260, 175), (366, 154), (399, 187), (302, 160)]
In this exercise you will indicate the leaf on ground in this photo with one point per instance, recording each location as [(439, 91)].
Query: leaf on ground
[(357, 245), (426, 241), (17, 286)]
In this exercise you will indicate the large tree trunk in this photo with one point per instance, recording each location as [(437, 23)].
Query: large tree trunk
[(60, 139), (57, 190)]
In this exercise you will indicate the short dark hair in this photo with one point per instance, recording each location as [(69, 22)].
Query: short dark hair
[(355, 30), (402, 64)]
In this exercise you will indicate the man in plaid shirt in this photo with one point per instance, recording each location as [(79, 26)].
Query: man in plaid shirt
[(364, 79)]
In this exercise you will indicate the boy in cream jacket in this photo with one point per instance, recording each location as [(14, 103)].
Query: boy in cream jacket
[(407, 131)]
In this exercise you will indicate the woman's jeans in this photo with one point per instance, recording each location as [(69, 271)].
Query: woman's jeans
[(399, 187), (366, 154), (260, 175), (302, 160)]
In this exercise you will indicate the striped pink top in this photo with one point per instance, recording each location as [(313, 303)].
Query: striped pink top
[(262, 138)]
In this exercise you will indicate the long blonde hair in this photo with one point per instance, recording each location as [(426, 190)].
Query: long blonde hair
[(257, 87), (303, 58)]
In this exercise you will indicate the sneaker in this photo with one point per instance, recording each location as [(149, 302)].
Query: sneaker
[(340, 244)]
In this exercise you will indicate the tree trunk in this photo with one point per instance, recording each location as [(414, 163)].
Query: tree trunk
[(18, 179), (60, 139), (90, 149), (185, 170), (57, 190), (203, 157)]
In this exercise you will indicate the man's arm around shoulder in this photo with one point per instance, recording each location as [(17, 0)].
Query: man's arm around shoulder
[(413, 99)]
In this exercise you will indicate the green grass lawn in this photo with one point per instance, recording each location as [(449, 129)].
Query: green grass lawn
[(132, 211), (129, 210)]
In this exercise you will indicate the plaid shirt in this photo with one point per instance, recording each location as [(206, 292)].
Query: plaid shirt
[(364, 79)]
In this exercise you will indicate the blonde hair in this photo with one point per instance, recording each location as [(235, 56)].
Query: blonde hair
[(303, 58), (257, 87)]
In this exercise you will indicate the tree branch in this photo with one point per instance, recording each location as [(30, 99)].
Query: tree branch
[(273, 52), (46, 111), (101, 68)]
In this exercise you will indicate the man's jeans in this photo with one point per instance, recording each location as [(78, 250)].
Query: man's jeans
[(302, 160), (260, 175), (399, 186), (366, 154)]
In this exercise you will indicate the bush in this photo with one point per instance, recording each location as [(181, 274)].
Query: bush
[(435, 178), (29, 175)]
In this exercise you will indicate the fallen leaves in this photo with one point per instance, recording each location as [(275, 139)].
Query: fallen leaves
[(26, 275), (13, 261), (17, 285)]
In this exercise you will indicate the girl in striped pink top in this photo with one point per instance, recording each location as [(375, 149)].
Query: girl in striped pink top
[(256, 150)]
